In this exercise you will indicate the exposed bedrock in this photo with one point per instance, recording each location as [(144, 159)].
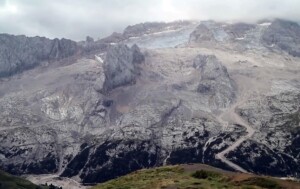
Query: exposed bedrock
[(284, 35), (215, 81), (18, 53), (121, 66)]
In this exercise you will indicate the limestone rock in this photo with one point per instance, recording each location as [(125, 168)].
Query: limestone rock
[(18, 53), (215, 81), (121, 66), (284, 35)]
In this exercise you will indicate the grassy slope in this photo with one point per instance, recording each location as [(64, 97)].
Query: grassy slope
[(8, 181), (184, 177)]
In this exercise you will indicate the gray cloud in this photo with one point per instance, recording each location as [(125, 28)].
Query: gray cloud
[(98, 18)]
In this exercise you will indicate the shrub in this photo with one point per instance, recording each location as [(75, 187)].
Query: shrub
[(202, 174), (263, 182)]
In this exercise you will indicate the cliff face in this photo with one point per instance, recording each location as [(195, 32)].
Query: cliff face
[(215, 81), (285, 35), (18, 53), (121, 66)]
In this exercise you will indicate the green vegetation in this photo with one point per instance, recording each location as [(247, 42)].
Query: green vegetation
[(171, 177), (8, 181), (175, 177), (202, 174), (262, 182)]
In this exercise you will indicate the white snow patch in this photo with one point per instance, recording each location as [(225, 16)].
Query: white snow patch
[(265, 24), (156, 33), (133, 37), (99, 59), (290, 178)]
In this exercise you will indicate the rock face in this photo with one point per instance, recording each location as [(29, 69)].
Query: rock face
[(157, 131), (153, 34), (274, 148), (215, 81), (210, 32), (121, 66), (94, 121), (151, 27), (18, 53), (91, 47), (135, 147), (277, 34), (45, 117), (239, 30), (284, 35), (201, 33)]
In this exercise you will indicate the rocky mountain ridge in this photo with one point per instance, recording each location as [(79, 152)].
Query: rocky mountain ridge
[(271, 35), (178, 99), (18, 53)]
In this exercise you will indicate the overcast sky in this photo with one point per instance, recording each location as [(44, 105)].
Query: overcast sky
[(76, 19)]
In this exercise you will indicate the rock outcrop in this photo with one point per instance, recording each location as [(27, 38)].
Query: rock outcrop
[(43, 123), (201, 34), (18, 53), (91, 47), (139, 33), (121, 66), (284, 35), (151, 27), (274, 149), (215, 81), (278, 34)]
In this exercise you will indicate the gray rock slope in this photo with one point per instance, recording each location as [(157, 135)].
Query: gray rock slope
[(279, 35), (284, 35), (152, 27), (275, 148), (142, 29), (152, 35), (18, 53), (93, 121)]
